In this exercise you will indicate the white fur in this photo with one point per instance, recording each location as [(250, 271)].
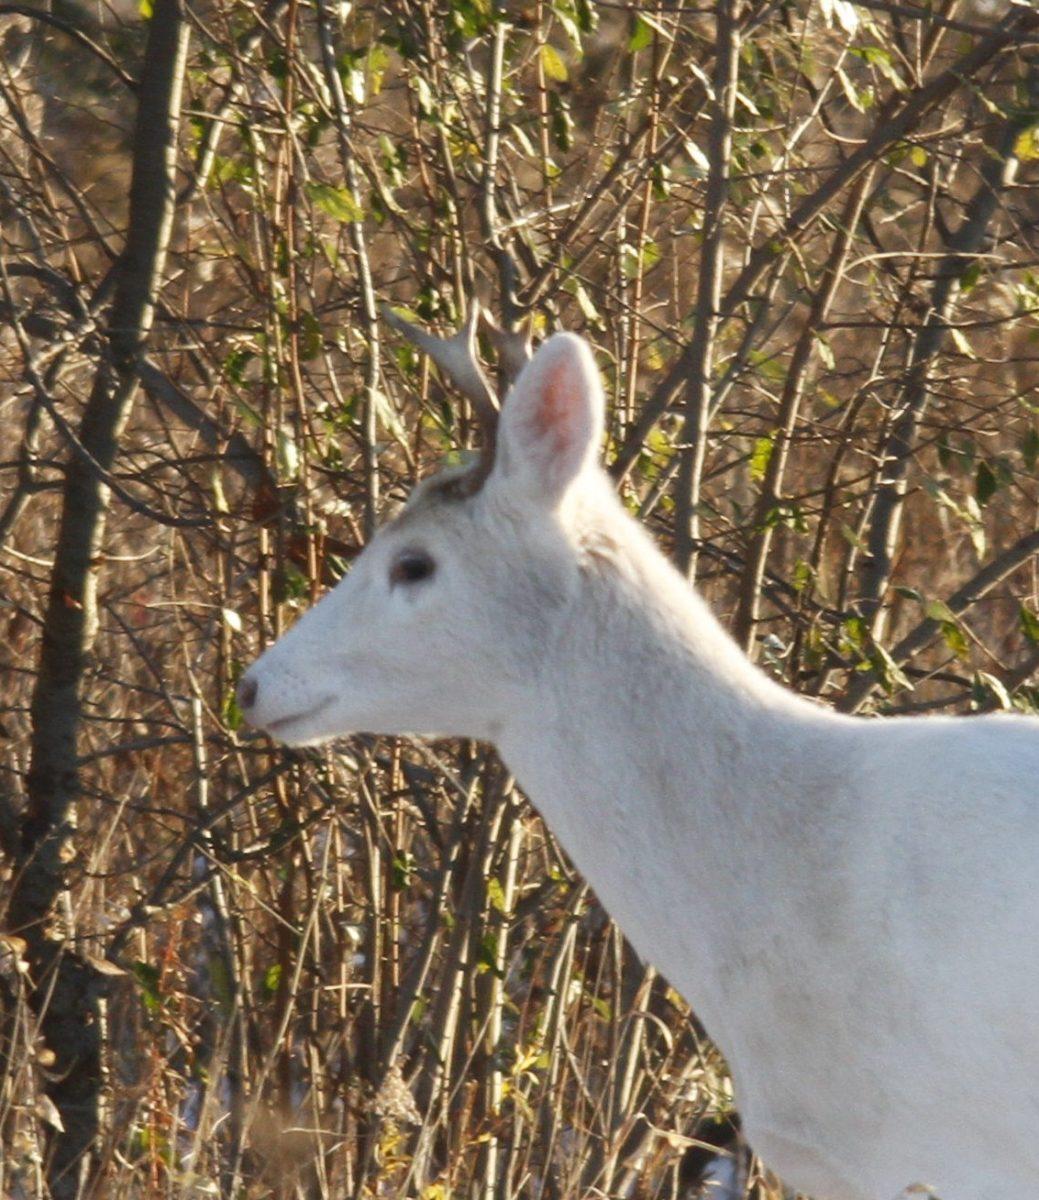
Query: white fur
[(850, 905)]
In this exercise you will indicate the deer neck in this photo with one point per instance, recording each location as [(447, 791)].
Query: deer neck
[(676, 775)]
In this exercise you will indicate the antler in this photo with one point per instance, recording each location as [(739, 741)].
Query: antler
[(513, 345), (456, 356)]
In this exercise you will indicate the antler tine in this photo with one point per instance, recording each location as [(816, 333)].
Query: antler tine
[(456, 356), (513, 345)]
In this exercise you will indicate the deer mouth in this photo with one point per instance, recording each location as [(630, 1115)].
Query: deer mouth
[(279, 727)]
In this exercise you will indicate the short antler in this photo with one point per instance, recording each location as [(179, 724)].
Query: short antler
[(456, 356), (513, 345)]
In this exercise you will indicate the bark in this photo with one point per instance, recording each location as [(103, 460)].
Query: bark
[(698, 385), (997, 175), (63, 986)]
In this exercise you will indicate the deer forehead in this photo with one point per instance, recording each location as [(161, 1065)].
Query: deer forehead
[(449, 501), (435, 510), (440, 494)]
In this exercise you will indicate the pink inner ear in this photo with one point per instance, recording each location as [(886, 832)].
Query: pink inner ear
[(557, 416)]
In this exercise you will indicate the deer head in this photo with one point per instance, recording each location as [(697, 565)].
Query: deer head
[(442, 622)]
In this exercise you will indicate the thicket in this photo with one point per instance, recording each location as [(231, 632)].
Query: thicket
[(802, 237)]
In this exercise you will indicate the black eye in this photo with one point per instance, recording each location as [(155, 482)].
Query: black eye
[(411, 566)]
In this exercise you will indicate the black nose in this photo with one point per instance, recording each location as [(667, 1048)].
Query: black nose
[(247, 691)]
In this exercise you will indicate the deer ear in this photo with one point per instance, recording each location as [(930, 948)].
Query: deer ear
[(552, 420)]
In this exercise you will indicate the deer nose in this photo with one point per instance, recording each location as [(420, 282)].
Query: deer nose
[(248, 690)]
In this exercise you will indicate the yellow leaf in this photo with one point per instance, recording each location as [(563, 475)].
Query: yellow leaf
[(553, 65), (1026, 147)]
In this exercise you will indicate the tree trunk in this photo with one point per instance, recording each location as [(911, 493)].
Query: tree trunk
[(63, 986)]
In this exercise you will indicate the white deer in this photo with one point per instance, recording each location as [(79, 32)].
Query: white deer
[(850, 905)]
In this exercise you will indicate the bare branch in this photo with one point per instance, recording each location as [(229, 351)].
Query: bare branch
[(99, 52), (891, 127), (698, 383), (978, 586)]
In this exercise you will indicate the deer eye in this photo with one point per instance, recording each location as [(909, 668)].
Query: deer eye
[(411, 566)]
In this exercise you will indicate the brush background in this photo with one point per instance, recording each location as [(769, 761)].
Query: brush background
[(803, 238)]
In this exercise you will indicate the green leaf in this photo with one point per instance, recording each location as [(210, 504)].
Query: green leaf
[(337, 202), (561, 121), (584, 302), (145, 8), (768, 366), (235, 363), (641, 35), (970, 277), (938, 610), (892, 677), (311, 339), (394, 159), (955, 639), (841, 13), (426, 105), (985, 483), (855, 632), (388, 416), (403, 869), (856, 639), (975, 526), (355, 83), (251, 415), (565, 15), (219, 496), (851, 93), (552, 64), (148, 977), (602, 1007), (852, 537), (495, 895), (803, 576), (880, 58), (272, 977), (633, 260), (587, 15), (1029, 624), (760, 457), (230, 713), (488, 954), (986, 687)]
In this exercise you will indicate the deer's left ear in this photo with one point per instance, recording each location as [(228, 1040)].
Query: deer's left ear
[(552, 421)]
